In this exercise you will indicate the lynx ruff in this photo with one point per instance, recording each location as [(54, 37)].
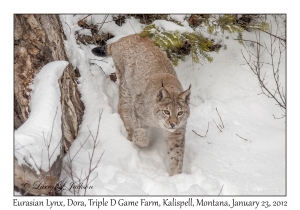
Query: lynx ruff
[(150, 94)]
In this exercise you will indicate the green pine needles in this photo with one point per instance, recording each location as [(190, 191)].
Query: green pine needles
[(178, 45), (221, 23), (231, 24)]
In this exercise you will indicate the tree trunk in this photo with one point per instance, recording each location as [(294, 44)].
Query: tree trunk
[(71, 106), (38, 40)]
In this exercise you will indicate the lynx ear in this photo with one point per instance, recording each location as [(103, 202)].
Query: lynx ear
[(185, 96), (162, 94)]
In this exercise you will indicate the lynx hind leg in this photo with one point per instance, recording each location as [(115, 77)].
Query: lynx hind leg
[(176, 143), (124, 107)]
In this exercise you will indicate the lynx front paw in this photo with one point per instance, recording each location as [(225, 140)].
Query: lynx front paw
[(174, 172), (176, 163), (140, 138), (129, 135)]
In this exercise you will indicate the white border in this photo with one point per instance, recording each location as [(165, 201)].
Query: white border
[(152, 6)]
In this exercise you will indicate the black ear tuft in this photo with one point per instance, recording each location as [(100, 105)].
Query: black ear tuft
[(100, 51), (185, 96), (162, 94)]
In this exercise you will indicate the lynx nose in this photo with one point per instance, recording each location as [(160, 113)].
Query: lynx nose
[(172, 125)]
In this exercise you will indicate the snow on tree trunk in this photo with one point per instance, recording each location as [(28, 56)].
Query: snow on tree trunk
[(38, 40)]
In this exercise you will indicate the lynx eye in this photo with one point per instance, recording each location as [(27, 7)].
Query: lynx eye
[(166, 112), (180, 113)]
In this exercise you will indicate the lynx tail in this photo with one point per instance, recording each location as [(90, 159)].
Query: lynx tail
[(102, 51)]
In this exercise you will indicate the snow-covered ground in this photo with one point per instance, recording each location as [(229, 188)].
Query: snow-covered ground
[(247, 157)]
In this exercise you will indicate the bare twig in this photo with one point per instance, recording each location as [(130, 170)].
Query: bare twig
[(86, 16), (52, 127), (274, 36), (131, 26), (197, 134), (245, 40), (205, 134), (106, 22), (256, 66), (99, 60), (47, 144), (87, 179), (278, 117), (23, 146), (220, 119), (39, 168), (55, 149), (99, 67), (96, 142), (221, 190), (68, 26), (79, 149), (70, 172), (102, 23), (207, 129), (242, 138), (217, 126)]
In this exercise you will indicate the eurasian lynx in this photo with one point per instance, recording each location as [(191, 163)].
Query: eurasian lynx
[(150, 94)]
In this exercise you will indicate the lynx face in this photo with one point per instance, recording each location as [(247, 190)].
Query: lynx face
[(172, 110)]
